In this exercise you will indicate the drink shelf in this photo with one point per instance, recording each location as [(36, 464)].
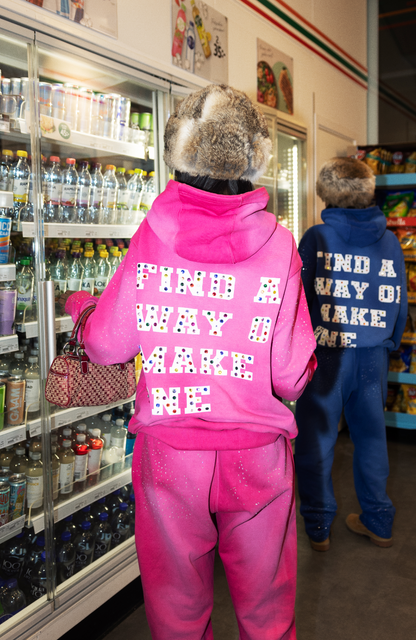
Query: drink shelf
[(12, 435), (7, 272), (81, 500), (31, 328), (8, 344), (59, 131), (12, 529), (396, 180), (75, 414), (401, 420), (57, 230)]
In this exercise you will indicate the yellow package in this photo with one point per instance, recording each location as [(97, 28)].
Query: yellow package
[(398, 402), (411, 282), (409, 398), (410, 164), (412, 368)]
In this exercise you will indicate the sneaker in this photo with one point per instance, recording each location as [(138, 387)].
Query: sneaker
[(354, 524), (320, 546)]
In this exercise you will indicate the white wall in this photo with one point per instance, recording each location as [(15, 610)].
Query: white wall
[(320, 91)]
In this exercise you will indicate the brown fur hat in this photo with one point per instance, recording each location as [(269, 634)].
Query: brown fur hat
[(218, 132), (346, 183)]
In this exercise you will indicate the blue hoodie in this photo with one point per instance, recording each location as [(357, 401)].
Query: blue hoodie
[(355, 280)]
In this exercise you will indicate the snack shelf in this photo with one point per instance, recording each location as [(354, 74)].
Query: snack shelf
[(81, 500), (66, 416), (404, 378), (57, 230), (396, 180), (11, 529), (401, 222), (59, 131), (401, 420), (411, 297), (408, 338), (9, 344), (7, 272), (31, 328)]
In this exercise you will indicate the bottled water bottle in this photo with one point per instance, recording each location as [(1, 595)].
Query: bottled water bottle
[(122, 196), (90, 273), (13, 557), (106, 430), (24, 286), (13, 600), (85, 515), (149, 195), (75, 273), (5, 166), (118, 439), (65, 558), (113, 502), (38, 587), (120, 526), (108, 214), (53, 191), (69, 191), (99, 507), (84, 547), (20, 175), (84, 193), (114, 262), (96, 196), (103, 534), (26, 212), (68, 525), (59, 275), (32, 559), (103, 273), (131, 512)]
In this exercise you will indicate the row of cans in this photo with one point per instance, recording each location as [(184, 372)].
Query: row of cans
[(12, 496)]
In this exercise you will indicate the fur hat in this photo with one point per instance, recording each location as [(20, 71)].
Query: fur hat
[(218, 132), (346, 183)]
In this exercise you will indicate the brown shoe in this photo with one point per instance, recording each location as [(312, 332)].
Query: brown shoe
[(320, 546), (354, 524)]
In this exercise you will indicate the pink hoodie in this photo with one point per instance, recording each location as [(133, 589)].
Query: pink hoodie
[(210, 294)]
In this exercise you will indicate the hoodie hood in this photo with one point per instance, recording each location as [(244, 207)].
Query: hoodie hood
[(360, 227), (211, 228)]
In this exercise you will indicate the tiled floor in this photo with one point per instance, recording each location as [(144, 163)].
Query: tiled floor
[(356, 590)]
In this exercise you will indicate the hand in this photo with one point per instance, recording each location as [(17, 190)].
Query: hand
[(61, 301)]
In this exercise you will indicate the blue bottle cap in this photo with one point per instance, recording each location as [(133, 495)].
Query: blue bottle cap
[(86, 525), (20, 535), (68, 518), (66, 535), (101, 501), (87, 509), (103, 516), (40, 541), (132, 498), (11, 583), (116, 492), (124, 506), (43, 556)]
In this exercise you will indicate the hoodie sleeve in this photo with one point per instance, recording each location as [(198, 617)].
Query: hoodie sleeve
[(293, 358), (111, 335), (402, 317), (307, 252)]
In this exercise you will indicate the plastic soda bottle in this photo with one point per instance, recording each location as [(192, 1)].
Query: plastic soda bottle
[(120, 526), (90, 273), (96, 195), (65, 558), (53, 191), (103, 272), (75, 273), (84, 193), (84, 547), (122, 196), (103, 535), (69, 191), (24, 286), (108, 213)]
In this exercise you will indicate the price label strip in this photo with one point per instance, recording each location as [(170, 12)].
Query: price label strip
[(12, 528), (9, 344), (12, 435)]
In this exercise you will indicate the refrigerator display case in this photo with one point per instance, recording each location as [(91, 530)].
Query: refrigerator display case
[(285, 179), (80, 139)]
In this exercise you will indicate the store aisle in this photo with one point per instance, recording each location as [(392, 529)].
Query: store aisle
[(356, 590)]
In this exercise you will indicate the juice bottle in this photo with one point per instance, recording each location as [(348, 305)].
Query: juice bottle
[(56, 466), (201, 31), (179, 34), (66, 473), (34, 481)]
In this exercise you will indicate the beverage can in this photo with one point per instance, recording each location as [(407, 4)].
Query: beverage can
[(110, 107), (4, 503), (6, 86), (5, 228), (15, 400), (146, 121), (122, 119), (15, 86), (5, 475), (58, 101), (17, 483), (45, 98), (84, 110), (71, 104)]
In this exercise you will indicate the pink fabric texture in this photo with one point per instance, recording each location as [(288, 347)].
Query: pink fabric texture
[(210, 293), (251, 495)]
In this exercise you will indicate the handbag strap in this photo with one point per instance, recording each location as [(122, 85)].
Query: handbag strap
[(79, 327)]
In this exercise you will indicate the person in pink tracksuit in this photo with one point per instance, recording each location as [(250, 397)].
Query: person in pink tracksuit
[(210, 295)]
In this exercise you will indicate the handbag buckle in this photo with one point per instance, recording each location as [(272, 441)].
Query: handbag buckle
[(69, 347)]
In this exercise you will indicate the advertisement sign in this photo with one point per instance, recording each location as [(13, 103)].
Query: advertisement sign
[(274, 78), (100, 15), (200, 40)]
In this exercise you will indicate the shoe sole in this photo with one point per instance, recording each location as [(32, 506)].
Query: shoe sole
[(385, 543), (320, 546)]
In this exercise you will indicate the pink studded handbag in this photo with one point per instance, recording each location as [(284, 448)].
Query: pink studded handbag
[(74, 381)]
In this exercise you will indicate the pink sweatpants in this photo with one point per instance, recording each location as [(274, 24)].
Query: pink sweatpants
[(185, 502)]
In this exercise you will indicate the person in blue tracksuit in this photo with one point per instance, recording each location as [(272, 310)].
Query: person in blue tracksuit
[(355, 284)]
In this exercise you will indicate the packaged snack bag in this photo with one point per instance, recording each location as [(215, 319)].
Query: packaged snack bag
[(409, 398), (398, 163), (410, 164), (398, 402), (411, 281), (397, 205), (412, 368), (400, 359), (391, 397)]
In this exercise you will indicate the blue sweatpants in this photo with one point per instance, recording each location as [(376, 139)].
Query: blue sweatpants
[(354, 380)]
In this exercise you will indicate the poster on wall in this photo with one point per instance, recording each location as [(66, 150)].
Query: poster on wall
[(100, 15), (200, 40), (274, 78)]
